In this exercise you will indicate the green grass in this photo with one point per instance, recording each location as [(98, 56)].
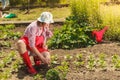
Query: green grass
[(58, 13)]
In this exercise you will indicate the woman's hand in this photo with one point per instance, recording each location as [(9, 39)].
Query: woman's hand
[(48, 60), (44, 60)]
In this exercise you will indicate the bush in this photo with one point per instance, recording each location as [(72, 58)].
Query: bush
[(76, 32)]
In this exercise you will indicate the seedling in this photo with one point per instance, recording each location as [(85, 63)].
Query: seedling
[(64, 63), (68, 57), (6, 74), (38, 77), (15, 66), (7, 59), (116, 61), (5, 44), (63, 70), (9, 27), (79, 57), (79, 64), (54, 59), (115, 57), (101, 61), (91, 62)]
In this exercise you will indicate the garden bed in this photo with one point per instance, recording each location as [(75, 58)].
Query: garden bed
[(75, 71)]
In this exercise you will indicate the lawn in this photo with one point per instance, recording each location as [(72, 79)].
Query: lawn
[(58, 13)]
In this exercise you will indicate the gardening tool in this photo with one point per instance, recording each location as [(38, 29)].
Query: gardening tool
[(99, 34)]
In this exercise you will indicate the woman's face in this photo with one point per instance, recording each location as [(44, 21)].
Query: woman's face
[(46, 25)]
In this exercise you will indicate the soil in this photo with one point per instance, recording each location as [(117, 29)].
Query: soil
[(82, 73)]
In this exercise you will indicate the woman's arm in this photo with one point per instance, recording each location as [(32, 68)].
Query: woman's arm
[(31, 37)]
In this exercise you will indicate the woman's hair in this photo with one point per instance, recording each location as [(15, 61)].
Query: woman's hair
[(38, 23)]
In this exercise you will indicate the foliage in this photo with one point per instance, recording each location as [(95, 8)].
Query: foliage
[(54, 59), (59, 72), (6, 74), (77, 29), (7, 60), (52, 74), (8, 65), (79, 57), (79, 62), (68, 57), (116, 61), (5, 44), (102, 61), (7, 33), (86, 12), (91, 62), (110, 16), (38, 77), (63, 70), (69, 37)]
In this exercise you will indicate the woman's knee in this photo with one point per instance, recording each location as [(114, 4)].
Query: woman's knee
[(20, 43), (21, 46)]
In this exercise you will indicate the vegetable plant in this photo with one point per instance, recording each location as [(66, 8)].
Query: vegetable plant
[(7, 60), (68, 57), (6, 74), (5, 44), (63, 70), (79, 62), (38, 77), (52, 74), (91, 62), (7, 32), (54, 59), (102, 61), (116, 61)]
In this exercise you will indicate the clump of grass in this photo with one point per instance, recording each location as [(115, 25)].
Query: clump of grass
[(86, 11), (110, 16)]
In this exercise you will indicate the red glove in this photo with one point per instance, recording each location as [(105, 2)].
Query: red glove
[(99, 34)]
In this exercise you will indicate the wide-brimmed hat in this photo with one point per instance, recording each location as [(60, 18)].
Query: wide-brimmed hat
[(46, 17)]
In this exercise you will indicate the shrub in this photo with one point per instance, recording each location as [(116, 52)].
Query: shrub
[(76, 32)]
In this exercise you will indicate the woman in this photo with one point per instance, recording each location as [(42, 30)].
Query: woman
[(34, 40)]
